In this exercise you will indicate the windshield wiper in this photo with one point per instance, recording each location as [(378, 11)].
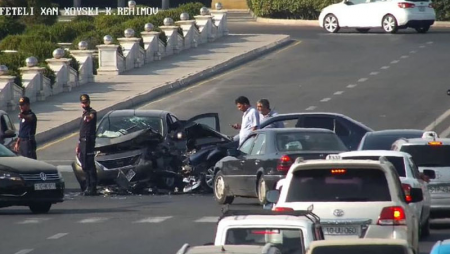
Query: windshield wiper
[(351, 199)]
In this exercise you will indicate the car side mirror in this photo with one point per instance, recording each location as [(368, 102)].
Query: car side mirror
[(272, 196), (416, 195), (430, 173), (233, 152), (9, 134)]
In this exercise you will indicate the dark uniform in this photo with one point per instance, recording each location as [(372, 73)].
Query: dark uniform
[(87, 144), (27, 131)]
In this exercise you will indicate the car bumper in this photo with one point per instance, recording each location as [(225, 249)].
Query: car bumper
[(24, 194), (375, 231), (415, 20)]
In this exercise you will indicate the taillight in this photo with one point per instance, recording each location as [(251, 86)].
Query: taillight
[(392, 215), (406, 5), (284, 163), (283, 209), (407, 190)]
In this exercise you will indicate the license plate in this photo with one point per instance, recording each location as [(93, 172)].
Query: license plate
[(45, 186), (421, 8), (130, 175), (345, 230), (438, 189)]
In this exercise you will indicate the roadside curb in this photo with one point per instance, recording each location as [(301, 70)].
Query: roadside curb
[(168, 87), (297, 22)]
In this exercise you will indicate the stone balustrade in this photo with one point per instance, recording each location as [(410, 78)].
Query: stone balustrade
[(181, 35)]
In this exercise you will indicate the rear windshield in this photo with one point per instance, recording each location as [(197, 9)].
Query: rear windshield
[(398, 162), (429, 156), (325, 185), (358, 249), (289, 241), (309, 141), (382, 142)]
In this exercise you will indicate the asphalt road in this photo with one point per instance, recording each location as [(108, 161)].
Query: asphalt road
[(383, 80)]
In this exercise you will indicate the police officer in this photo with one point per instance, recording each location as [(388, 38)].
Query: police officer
[(26, 142), (86, 144)]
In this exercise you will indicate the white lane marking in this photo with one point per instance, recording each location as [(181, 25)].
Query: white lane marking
[(339, 92), (93, 220), (33, 220), (430, 42), (362, 79), (395, 61), (351, 85), (57, 236), (25, 251), (413, 52), (385, 67), (422, 46), (438, 120), (325, 99), (64, 168), (404, 56), (311, 108), (153, 219), (210, 219), (374, 73)]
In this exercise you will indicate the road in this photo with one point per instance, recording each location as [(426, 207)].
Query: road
[(382, 80)]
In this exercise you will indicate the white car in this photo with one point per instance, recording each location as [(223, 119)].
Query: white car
[(357, 246), (409, 176), (288, 231), (391, 15), (229, 249), (353, 198)]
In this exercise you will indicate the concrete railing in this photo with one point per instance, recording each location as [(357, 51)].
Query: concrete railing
[(111, 61)]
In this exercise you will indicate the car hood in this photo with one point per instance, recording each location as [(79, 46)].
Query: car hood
[(21, 164), (196, 130), (128, 141)]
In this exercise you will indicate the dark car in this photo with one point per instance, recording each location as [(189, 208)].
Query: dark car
[(266, 156), (348, 130), (134, 147), (383, 140), (8, 132), (28, 182)]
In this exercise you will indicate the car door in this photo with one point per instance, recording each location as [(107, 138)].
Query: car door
[(253, 162), (6, 124), (209, 119), (350, 13)]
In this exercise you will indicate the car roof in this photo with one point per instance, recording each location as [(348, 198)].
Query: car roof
[(423, 141), (395, 132), (137, 112), (374, 153), (321, 164), (294, 130), (221, 249), (2, 112), (360, 241), (263, 217)]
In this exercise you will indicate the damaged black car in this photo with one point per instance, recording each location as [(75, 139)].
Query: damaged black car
[(139, 150)]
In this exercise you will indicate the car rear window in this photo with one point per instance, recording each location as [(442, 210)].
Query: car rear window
[(357, 249), (309, 141), (383, 142), (398, 162), (429, 155), (338, 185), (287, 240)]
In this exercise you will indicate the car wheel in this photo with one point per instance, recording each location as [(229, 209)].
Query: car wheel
[(331, 24), (425, 229), (389, 24), (262, 190), (40, 208), (363, 30), (422, 29), (208, 180), (220, 190)]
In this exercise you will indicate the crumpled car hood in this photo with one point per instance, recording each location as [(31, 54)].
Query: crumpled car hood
[(126, 141)]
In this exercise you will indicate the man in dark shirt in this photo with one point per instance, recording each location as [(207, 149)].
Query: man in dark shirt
[(86, 144), (26, 142)]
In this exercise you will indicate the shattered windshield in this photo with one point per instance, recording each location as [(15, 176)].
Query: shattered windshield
[(116, 126)]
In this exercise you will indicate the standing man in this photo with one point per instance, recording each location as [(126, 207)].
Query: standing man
[(265, 113), (26, 142), (86, 144), (250, 118)]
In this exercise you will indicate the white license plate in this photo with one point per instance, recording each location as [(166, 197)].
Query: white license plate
[(421, 8), (343, 230), (438, 189), (130, 175), (45, 186)]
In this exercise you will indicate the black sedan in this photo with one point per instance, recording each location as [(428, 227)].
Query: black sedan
[(348, 130), (383, 140), (266, 156), (28, 182)]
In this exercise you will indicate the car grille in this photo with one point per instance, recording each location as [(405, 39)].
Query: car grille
[(40, 177), (121, 162)]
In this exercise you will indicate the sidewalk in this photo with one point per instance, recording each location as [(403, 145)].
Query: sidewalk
[(60, 114)]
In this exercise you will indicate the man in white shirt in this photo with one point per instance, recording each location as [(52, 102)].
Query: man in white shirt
[(265, 113), (250, 118)]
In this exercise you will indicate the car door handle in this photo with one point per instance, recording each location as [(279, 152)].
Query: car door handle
[(243, 161), (257, 162)]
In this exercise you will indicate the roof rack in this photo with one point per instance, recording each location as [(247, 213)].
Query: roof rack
[(305, 213)]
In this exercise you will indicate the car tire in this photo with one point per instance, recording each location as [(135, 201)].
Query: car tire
[(363, 30), (208, 180), (261, 194), (422, 29), (389, 24), (220, 190), (331, 23), (40, 208)]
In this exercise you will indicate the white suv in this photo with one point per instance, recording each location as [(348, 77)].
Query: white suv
[(409, 176), (353, 198)]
